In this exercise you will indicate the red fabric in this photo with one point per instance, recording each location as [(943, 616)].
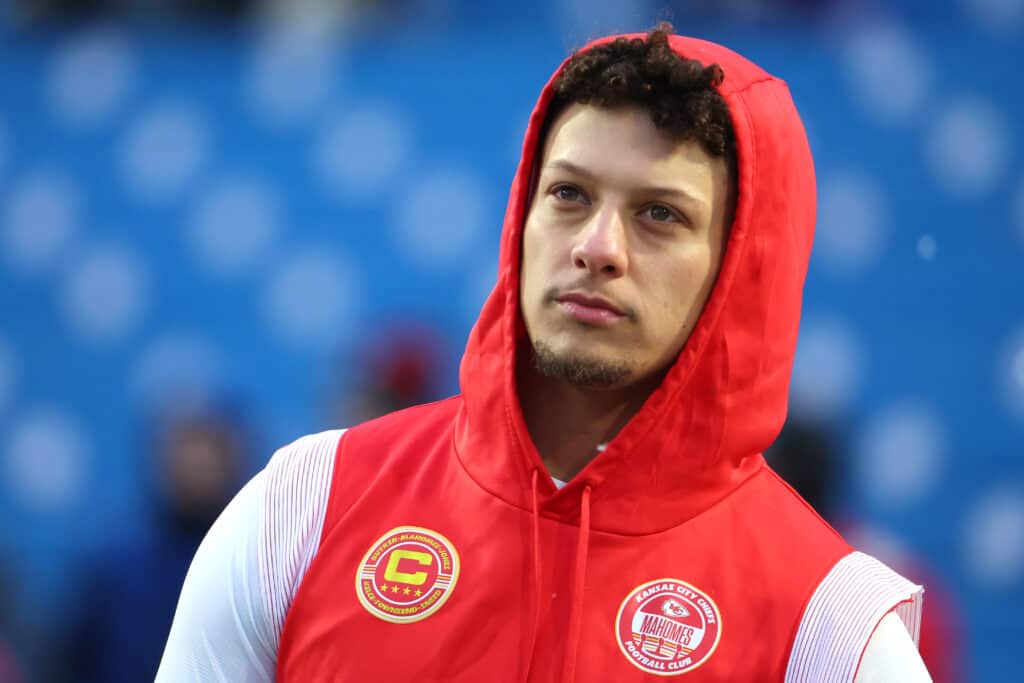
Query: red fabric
[(682, 492), (725, 398)]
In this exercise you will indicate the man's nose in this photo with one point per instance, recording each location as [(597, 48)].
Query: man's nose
[(601, 245)]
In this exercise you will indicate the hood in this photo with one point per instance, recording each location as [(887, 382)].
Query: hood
[(701, 432)]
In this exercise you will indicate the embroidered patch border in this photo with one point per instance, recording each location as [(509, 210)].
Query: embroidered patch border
[(668, 627), (407, 574)]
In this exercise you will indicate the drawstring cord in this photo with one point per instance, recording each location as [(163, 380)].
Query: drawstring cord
[(579, 576), (536, 579), (576, 615)]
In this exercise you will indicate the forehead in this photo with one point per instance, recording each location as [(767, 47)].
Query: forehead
[(623, 146)]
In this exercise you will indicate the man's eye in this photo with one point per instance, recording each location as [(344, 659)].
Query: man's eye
[(661, 213), (568, 193)]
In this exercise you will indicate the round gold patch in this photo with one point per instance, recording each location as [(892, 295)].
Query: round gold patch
[(407, 574)]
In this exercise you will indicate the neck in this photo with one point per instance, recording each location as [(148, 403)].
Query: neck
[(567, 423)]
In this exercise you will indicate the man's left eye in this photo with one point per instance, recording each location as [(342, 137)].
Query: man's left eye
[(661, 213)]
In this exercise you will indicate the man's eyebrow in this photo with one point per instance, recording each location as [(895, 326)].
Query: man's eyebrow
[(677, 193), (566, 165)]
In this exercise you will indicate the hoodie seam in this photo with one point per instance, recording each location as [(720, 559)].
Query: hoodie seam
[(748, 86)]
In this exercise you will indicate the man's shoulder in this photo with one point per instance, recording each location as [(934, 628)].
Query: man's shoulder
[(792, 516), (307, 464), (311, 450)]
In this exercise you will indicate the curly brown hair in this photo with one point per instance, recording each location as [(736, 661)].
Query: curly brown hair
[(680, 93)]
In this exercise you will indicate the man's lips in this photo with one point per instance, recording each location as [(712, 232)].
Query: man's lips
[(592, 310)]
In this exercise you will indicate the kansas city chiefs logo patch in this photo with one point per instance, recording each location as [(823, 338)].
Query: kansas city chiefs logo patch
[(668, 627)]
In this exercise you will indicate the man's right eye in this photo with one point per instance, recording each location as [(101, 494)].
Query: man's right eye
[(568, 193)]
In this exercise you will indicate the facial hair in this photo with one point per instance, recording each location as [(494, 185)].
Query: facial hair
[(578, 369)]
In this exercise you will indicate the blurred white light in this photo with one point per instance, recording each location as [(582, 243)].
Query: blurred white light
[(361, 151), (310, 299), (40, 215), (291, 72), (45, 463), (441, 220), (927, 248), (233, 226), (994, 538), (827, 370), (177, 366), (105, 294), (998, 16), (967, 147), (91, 75), (888, 71), (901, 454), (852, 218), (1010, 374), (163, 151), (8, 374)]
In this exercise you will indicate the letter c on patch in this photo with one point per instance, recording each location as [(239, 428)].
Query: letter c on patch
[(391, 573)]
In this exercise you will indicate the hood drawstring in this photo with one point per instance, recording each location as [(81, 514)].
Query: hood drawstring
[(576, 615), (579, 576), (537, 587)]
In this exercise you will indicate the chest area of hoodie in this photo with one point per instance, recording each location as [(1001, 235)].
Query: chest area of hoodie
[(421, 573)]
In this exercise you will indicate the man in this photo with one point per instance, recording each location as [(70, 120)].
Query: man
[(593, 506)]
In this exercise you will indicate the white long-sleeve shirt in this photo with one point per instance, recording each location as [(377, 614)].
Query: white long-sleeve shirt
[(232, 606)]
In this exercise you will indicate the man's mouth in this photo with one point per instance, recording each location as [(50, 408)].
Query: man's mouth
[(588, 309)]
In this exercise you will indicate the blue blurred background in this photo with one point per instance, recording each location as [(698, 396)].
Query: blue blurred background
[(225, 224)]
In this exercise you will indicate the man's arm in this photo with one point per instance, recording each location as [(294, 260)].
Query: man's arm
[(860, 625), (891, 656), (222, 630)]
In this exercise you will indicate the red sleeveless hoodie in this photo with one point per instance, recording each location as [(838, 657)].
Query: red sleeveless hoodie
[(448, 554)]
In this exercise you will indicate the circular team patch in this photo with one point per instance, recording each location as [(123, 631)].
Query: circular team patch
[(407, 574), (668, 627)]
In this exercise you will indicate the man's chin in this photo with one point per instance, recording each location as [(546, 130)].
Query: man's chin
[(580, 369)]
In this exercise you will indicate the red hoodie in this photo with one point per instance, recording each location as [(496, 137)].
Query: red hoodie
[(447, 553)]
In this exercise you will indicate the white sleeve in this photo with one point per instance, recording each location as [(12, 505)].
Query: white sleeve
[(245, 574), (847, 608), (891, 656)]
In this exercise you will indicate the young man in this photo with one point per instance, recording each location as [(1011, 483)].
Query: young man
[(594, 505)]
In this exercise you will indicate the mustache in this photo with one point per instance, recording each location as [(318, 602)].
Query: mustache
[(554, 292)]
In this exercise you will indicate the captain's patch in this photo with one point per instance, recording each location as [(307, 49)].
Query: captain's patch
[(407, 574)]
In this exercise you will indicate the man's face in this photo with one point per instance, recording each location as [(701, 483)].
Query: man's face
[(621, 247)]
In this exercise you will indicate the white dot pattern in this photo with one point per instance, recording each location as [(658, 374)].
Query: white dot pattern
[(234, 225), (852, 222), (164, 150), (994, 538), (901, 454), (967, 145), (105, 294), (44, 460), (40, 216), (441, 220), (91, 76), (310, 299)]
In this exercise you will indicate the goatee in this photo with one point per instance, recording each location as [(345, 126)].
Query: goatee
[(578, 369)]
